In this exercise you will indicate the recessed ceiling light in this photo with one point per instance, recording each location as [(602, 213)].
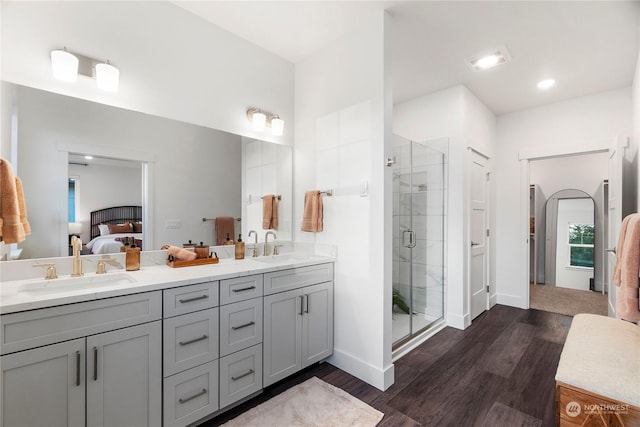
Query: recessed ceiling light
[(488, 59), (546, 84), (88, 157)]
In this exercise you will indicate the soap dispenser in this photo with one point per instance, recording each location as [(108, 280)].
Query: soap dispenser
[(132, 256), (228, 241), (239, 247)]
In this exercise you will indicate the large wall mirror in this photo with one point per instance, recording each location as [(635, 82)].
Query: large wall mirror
[(179, 173)]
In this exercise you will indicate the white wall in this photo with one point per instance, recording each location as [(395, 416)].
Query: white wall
[(571, 211), (576, 125), (342, 134), (585, 172), (172, 63), (197, 170), (100, 186), (457, 114)]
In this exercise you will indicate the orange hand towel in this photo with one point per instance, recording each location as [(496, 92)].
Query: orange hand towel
[(627, 270), (13, 220), (312, 216), (269, 212), (224, 226)]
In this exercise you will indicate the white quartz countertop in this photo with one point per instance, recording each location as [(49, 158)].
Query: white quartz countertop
[(29, 294)]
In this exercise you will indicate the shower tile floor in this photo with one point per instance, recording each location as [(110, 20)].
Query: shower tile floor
[(400, 323)]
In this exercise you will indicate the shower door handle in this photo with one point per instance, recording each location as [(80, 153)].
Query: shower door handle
[(412, 239)]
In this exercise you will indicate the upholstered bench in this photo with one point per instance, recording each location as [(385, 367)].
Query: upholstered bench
[(598, 377)]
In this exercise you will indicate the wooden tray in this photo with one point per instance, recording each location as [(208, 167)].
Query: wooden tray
[(198, 261)]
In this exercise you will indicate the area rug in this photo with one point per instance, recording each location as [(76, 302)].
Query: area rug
[(312, 403), (567, 301)]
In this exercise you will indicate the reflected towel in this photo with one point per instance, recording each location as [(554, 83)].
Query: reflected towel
[(269, 212), (179, 254), (627, 270), (312, 216), (224, 227), (14, 226)]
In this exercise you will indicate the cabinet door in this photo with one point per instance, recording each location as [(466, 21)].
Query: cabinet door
[(282, 335), (317, 323), (44, 386), (124, 377)]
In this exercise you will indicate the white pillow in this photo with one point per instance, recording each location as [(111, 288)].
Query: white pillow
[(104, 229)]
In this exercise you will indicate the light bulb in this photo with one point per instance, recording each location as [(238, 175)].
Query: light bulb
[(64, 65), (107, 77), (487, 61), (258, 120), (277, 126)]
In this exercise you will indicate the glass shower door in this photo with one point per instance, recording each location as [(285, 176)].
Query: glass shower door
[(418, 212)]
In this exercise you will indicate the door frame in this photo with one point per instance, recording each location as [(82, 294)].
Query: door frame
[(539, 153)]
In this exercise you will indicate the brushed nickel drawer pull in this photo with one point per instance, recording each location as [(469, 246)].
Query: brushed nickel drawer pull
[(251, 371), (77, 369), (301, 302), (95, 363), (198, 394), (243, 326), (204, 337), (248, 288), (193, 299)]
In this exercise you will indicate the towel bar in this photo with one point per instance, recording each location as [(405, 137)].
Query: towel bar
[(213, 219)]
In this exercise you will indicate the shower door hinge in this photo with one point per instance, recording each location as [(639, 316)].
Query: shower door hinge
[(488, 232), (487, 288)]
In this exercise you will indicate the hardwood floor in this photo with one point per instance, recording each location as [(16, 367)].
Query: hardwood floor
[(498, 372)]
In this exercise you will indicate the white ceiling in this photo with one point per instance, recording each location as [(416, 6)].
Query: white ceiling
[(586, 46)]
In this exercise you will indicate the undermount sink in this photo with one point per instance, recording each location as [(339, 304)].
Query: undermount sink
[(70, 283)]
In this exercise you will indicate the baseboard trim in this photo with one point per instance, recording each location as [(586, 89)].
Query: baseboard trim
[(457, 321), (512, 301), (381, 379)]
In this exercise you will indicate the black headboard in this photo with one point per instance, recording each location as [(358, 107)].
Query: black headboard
[(114, 215)]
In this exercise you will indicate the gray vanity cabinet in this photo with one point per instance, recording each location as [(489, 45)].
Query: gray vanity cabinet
[(47, 385), (298, 323), (114, 374)]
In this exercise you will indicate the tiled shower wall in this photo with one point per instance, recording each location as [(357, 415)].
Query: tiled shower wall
[(419, 202)]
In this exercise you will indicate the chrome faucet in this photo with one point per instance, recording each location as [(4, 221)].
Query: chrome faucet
[(255, 243), (76, 244), (266, 241)]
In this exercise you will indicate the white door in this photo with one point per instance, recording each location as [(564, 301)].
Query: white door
[(44, 386), (478, 271), (615, 219), (124, 377)]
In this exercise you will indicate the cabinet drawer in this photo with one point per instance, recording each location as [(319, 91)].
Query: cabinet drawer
[(187, 299), (240, 325), (284, 280), (190, 340), (191, 395), (240, 375), (35, 328), (240, 289)]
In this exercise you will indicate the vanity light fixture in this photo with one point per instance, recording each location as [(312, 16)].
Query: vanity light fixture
[(261, 119), (66, 66), (488, 59)]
